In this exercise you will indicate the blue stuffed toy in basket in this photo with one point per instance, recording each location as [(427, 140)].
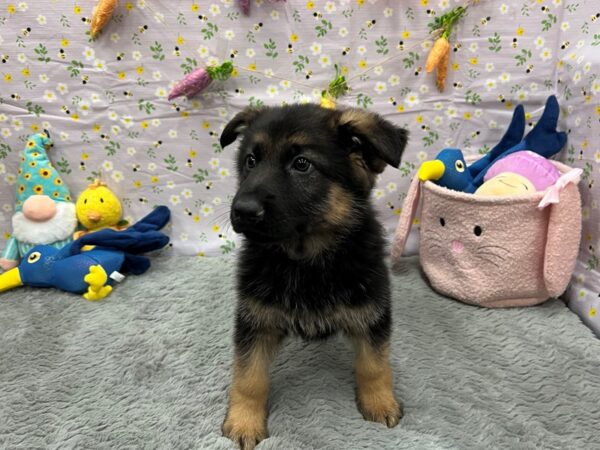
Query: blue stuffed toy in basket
[(450, 170)]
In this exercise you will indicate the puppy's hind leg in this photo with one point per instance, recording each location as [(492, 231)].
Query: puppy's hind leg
[(374, 391), (246, 419)]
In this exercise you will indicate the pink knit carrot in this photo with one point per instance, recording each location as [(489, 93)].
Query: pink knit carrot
[(199, 79)]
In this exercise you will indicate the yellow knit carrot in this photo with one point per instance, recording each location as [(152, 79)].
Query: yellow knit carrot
[(439, 49), (327, 102), (442, 71), (337, 87), (102, 14)]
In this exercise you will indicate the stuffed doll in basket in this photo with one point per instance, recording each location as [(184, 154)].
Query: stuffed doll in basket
[(44, 213)]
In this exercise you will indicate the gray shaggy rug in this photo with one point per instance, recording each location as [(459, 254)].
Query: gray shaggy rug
[(149, 367)]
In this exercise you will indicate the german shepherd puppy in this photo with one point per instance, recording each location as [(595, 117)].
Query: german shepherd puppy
[(312, 262)]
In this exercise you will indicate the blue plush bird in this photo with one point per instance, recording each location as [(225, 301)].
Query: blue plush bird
[(450, 170), (87, 272)]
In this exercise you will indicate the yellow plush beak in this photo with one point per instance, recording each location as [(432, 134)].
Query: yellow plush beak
[(10, 279), (431, 170)]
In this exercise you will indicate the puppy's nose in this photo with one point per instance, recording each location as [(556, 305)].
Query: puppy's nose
[(248, 210)]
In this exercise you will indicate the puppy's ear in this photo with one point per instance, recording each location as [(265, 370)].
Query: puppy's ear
[(380, 142), (238, 123)]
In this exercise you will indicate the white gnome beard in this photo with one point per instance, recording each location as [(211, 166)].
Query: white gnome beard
[(59, 228)]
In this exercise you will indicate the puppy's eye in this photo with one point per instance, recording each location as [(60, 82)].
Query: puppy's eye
[(442, 222), (477, 230), (301, 164), (250, 161)]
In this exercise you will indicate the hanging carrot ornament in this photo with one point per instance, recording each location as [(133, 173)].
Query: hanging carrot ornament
[(245, 5), (199, 79), (337, 87), (439, 56), (442, 71), (101, 15), (438, 52)]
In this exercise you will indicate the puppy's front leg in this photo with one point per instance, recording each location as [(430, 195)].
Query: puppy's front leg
[(374, 392), (246, 419)]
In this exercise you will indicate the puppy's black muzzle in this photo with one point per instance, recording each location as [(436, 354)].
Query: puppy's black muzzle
[(246, 213), (249, 217)]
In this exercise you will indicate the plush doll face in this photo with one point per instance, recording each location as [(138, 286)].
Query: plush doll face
[(59, 227), (98, 207), (507, 183)]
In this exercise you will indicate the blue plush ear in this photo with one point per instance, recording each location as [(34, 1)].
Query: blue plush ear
[(513, 135), (154, 221), (544, 139), (128, 241)]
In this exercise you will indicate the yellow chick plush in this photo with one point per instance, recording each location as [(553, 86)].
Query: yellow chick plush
[(98, 207)]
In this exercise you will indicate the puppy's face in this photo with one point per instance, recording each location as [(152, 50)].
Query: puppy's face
[(304, 171)]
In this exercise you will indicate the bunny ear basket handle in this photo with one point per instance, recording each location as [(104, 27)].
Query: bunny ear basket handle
[(407, 215), (563, 238)]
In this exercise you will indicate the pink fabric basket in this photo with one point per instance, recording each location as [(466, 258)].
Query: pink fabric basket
[(494, 251)]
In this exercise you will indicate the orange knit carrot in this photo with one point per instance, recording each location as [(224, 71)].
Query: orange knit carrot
[(442, 71), (102, 14), (439, 49)]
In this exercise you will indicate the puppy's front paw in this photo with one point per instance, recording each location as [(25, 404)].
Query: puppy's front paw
[(383, 409), (244, 428)]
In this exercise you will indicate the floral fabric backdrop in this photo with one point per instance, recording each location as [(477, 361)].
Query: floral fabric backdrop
[(104, 101)]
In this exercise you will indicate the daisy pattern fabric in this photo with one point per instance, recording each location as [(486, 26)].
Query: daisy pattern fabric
[(104, 100)]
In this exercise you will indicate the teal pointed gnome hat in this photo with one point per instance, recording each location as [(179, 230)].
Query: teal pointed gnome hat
[(36, 175)]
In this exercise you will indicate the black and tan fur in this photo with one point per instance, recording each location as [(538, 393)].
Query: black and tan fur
[(312, 263)]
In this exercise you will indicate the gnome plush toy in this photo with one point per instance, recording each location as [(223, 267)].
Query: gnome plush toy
[(44, 212)]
